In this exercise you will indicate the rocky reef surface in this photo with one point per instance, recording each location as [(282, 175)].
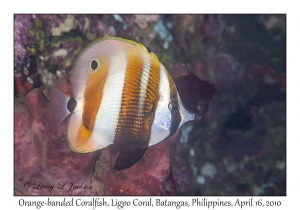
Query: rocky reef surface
[(45, 165), (44, 159)]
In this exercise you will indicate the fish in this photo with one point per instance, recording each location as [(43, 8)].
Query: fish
[(123, 95)]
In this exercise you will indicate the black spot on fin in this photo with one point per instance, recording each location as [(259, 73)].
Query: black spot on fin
[(72, 103), (129, 155)]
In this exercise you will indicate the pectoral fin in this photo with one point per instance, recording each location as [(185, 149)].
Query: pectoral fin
[(129, 155)]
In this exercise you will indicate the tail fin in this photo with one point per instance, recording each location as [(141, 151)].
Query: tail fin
[(58, 109)]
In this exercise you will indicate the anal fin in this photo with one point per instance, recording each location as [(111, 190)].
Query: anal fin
[(129, 155)]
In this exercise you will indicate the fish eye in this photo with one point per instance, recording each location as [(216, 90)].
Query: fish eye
[(94, 64), (173, 106)]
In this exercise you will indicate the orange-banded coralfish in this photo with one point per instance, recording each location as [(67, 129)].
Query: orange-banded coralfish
[(122, 95)]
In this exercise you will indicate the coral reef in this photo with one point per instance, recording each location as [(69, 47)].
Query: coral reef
[(152, 175), (142, 20), (22, 87), (237, 148), (22, 24), (47, 45), (43, 158), (235, 136)]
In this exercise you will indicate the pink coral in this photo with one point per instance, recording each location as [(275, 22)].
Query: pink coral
[(45, 165), (22, 24), (22, 87), (150, 176), (212, 25), (44, 159), (142, 20), (271, 22), (268, 74)]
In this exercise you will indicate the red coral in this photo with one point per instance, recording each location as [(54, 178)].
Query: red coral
[(22, 87), (268, 73), (151, 175), (44, 158)]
